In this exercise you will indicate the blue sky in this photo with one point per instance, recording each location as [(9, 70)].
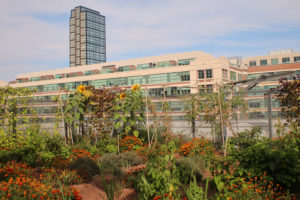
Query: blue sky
[(34, 33)]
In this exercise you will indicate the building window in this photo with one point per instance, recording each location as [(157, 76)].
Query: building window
[(201, 74), (233, 76), (209, 73), (209, 88), (274, 61), (286, 60), (252, 63), (225, 73), (263, 62), (240, 77), (297, 59), (205, 89), (185, 61), (256, 115)]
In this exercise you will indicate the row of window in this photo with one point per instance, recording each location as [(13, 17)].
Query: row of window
[(205, 73), (95, 18), (262, 103), (264, 115), (174, 106), (205, 88), (96, 41), (274, 61), (92, 57), (257, 75), (95, 33), (95, 25), (38, 110), (147, 79), (95, 56), (168, 92), (127, 81)]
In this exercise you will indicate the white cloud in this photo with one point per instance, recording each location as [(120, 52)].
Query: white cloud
[(133, 26)]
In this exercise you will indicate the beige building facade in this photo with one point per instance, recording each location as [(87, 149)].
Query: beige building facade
[(166, 76)]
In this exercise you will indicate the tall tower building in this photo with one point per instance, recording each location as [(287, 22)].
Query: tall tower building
[(87, 37)]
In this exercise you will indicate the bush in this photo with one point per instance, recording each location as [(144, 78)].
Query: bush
[(107, 145), (159, 179), (189, 168), (25, 154), (278, 157), (245, 139), (113, 164), (85, 167), (130, 143)]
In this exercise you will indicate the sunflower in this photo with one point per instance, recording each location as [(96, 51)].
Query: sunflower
[(135, 87), (81, 88), (122, 95)]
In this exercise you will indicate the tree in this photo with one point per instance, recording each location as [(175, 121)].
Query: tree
[(215, 108), (14, 102), (289, 97)]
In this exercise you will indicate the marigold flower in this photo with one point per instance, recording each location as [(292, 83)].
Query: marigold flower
[(135, 87), (122, 95)]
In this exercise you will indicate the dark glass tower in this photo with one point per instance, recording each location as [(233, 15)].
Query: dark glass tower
[(87, 37)]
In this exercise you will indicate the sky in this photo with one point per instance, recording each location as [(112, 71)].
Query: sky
[(34, 34)]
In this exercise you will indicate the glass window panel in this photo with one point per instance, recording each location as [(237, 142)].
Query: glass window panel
[(252, 63), (274, 61), (232, 76), (263, 62), (185, 61), (286, 60), (201, 74), (209, 73), (297, 59)]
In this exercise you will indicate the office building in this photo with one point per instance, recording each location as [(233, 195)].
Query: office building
[(87, 37), (165, 76)]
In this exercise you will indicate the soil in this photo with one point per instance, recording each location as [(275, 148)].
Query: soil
[(95, 190)]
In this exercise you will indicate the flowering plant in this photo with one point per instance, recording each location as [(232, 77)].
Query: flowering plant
[(197, 146), (130, 143)]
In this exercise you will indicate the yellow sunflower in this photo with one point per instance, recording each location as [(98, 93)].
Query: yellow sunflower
[(122, 95), (135, 87), (81, 88)]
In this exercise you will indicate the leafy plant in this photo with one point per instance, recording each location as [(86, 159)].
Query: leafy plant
[(130, 111), (85, 167), (189, 168), (159, 178)]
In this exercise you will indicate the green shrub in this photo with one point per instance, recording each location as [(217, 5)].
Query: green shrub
[(194, 191), (279, 157), (189, 168), (113, 164), (85, 167), (245, 139), (107, 145), (158, 179), (26, 154)]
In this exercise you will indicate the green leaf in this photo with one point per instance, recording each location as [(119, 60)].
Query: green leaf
[(127, 128), (136, 133), (77, 116), (117, 125), (80, 109), (116, 116), (272, 165), (74, 103)]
